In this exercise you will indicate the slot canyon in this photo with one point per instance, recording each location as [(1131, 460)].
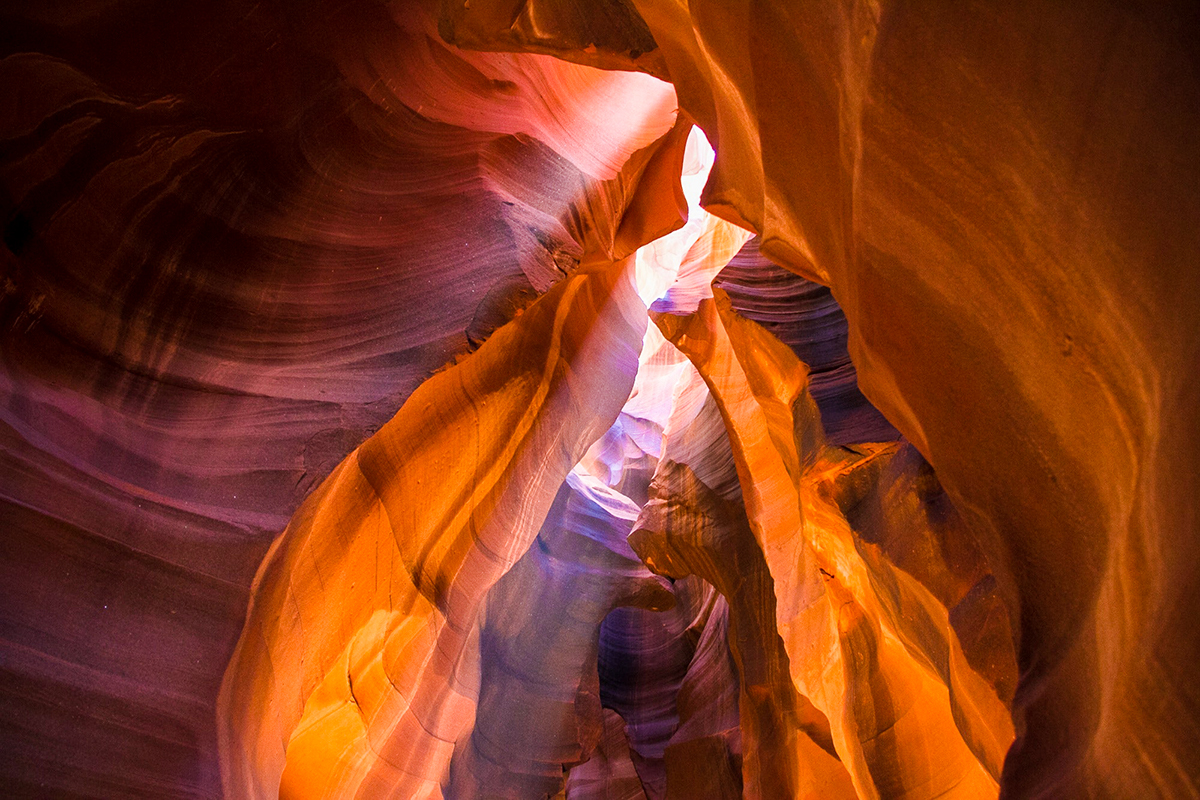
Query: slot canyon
[(589, 399)]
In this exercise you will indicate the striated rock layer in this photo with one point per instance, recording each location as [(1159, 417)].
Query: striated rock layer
[(1003, 203), (636, 536), (361, 653), (224, 267), (449, 613)]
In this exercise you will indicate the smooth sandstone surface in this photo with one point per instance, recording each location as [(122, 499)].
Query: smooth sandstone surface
[(591, 494), (1003, 202), (224, 268)]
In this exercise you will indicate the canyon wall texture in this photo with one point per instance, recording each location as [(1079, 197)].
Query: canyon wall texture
[(225, 266), (1003, 202), (584, 497)]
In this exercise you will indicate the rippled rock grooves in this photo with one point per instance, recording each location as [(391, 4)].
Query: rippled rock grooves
[(621, 399)]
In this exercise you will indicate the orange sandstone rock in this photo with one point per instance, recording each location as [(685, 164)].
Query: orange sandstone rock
[(379, 581)]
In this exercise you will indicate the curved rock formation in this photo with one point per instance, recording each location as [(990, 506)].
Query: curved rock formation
[(377, 586), (239, 240), (1014, 191)]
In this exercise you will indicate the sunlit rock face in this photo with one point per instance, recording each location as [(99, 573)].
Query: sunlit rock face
[(1003, 202), (386, 414), (556, 525), (235, 242)]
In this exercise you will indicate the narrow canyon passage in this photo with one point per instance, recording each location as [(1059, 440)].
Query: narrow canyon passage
[(532, 551), (608, 399)]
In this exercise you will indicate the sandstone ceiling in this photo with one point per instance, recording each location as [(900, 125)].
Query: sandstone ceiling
[(564, 420)]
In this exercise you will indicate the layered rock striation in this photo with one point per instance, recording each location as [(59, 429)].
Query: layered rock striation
[(570, 425)]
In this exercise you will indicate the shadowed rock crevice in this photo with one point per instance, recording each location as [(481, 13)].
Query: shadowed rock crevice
[(411, 339)]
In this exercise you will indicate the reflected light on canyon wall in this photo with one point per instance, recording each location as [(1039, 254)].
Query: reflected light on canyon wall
[(625, 399)]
